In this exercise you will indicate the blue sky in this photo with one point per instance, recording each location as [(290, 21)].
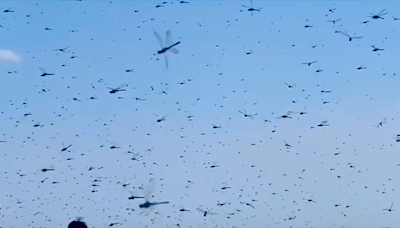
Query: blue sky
[(219, 80)]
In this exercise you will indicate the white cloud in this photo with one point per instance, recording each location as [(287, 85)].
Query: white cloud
[(6, 55)]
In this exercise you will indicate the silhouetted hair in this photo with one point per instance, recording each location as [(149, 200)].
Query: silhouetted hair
[(78, 223)]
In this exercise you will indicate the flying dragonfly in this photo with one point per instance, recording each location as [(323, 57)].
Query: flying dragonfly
[(44, 73), (389, 209), (116, 90), (376, 49), (247, 115), (378, 15), (148, 195), (345, 33), (334, 21), (65, 148), (286, 116), (309, 64), (168, 47), (251, 9), (323, 124), (206, 212), (362, 67)]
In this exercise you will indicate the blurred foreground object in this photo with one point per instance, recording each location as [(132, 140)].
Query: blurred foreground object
[(78, 223)]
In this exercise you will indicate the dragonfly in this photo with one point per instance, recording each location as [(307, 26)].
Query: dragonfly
[(389, 209), (334, 21), (287, 115), (168, 47), (309, 63), (116, 90), (44, 73), (376, 49), (206, 212), (345, 33), (251, 9), (65, 148), (247, 115), (323, 124), (148, 195), (378, 15)]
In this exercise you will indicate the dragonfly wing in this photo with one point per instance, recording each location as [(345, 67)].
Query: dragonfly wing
[(166, 60), (344, 34), (148, 191), (168, 38), (158, 38), (201, 210), (174, 50), (379, 14)]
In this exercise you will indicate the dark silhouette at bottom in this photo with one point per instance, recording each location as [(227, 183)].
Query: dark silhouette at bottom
[(78, 223)]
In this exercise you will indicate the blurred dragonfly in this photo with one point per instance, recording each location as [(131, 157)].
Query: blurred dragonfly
[(362, 67), (44, 73), (168, 47), (309, 64), (323, 124), (389, 209), (345, 33), (148, 195), (378, 15), (247, 115), (380, 124), (334, 21), (287, 115), (65, 148), (251, 9), (116, 90), (206, 212), (376, 49)]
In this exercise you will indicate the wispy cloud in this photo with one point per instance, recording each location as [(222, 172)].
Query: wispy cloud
[(7, 55)]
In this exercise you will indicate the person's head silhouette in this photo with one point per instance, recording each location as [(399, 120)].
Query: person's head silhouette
[(78, 223)]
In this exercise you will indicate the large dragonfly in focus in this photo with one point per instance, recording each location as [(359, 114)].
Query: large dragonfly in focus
[(148, 195), (166, 47)]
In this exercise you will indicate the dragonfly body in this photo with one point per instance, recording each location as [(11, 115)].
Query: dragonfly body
[(167, 48), (252, 9), (147, 204), (116, 90)]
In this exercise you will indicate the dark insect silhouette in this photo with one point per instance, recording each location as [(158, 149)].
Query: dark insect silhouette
[(309, 64), (376, 49), (251, 9), (378, 15), (44, 73), (345, 33)]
